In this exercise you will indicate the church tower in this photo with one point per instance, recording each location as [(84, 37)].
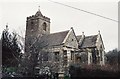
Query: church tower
[(36, 25)]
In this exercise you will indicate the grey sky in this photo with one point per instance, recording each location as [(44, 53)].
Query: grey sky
[(62, 18)]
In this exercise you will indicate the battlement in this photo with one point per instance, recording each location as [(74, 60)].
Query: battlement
[(39, 17)]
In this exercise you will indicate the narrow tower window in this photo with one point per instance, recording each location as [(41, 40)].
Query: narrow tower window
[(44, 26), (32, 24)]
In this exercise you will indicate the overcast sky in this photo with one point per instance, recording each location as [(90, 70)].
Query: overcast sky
[(14, 13)]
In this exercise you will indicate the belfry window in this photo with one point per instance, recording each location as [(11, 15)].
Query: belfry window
[(32, 25), (44, 26)]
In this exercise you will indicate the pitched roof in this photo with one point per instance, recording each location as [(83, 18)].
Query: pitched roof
[(79, 37), (89, 41), (54, 38)]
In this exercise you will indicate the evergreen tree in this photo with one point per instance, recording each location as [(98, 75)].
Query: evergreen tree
[(10, 49)]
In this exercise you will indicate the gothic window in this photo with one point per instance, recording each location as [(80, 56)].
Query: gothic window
[(32, 23), (44, 26), (101, 52), (45, 56), (56, 56), (90, 59), (65, 57)]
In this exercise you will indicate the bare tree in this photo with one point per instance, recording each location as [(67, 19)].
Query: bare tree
[(33, 57)]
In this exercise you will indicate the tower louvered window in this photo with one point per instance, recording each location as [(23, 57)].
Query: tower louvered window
[(44, 26)]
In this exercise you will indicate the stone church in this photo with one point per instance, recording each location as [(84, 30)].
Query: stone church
[(61, 49)]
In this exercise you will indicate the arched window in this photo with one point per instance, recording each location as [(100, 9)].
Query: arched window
[(44, 26), (32, 25)]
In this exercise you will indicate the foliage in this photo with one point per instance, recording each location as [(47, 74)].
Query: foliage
[(10, 49), (112, 57), (92, 71), (11, 52)]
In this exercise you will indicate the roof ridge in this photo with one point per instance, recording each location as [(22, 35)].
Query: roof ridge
[(91, 35)]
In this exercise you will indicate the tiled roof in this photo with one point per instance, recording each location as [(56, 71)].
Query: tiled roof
[(79, 37), (89, 41), (54, 38)]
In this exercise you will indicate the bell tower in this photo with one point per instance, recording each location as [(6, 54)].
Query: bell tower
[(36, 25)]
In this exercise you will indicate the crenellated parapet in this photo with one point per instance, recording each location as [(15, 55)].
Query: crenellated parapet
[(38, 15)]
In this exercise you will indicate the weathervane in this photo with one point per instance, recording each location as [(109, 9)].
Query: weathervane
[(39, 8)]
